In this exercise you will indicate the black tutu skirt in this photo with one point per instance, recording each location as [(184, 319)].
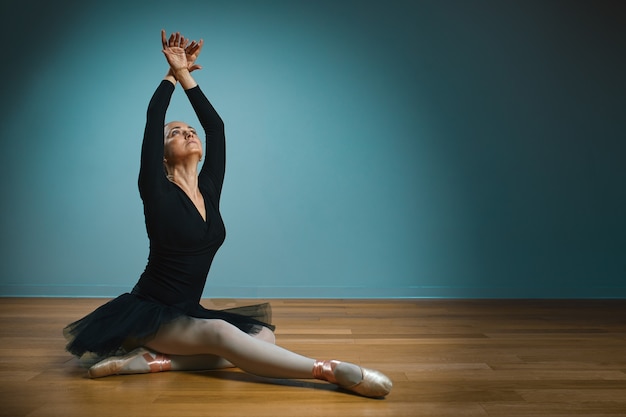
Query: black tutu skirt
[(130, 321)]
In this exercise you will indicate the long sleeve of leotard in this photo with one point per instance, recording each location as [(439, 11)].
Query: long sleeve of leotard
[(151, 172), (215, 147)]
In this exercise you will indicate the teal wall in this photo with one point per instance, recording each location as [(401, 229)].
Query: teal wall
[(375, 149)]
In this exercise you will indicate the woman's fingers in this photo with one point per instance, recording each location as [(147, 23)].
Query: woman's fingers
[(194, 48), (163, 38), (176, 40), (191, 49)]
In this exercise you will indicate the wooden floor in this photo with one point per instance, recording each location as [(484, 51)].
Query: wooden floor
[(446, 358)]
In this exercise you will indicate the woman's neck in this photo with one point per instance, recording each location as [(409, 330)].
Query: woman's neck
[(186, 177)]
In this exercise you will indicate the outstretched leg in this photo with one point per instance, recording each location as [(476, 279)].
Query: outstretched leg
[(192, 336), (198, 337), (210, 362)]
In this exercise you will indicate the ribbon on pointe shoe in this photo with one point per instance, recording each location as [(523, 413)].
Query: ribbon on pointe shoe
[(158, 363), (325, 370)]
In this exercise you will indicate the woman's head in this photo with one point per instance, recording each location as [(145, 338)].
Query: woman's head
[(181, 144)]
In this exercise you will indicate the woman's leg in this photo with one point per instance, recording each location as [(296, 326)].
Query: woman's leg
[(216, 338), (208, 362), (191, 336), (198, 363)]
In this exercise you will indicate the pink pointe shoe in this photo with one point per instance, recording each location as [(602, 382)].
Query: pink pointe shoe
[(116, 365), (373, 384)]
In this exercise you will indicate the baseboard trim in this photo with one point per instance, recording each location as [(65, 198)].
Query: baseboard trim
[(109, 291)]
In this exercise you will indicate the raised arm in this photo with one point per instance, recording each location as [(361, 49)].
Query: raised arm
[(151, 173), (181, 58), (214, 164)]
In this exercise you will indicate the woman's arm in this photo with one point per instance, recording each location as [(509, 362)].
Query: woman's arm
[(214, 164), (151, 173), (181, 58)]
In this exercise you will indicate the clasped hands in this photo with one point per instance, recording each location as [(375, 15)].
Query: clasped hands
[(181, 54)]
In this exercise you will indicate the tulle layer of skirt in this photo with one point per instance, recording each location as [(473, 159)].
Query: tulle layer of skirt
[(129, 321)]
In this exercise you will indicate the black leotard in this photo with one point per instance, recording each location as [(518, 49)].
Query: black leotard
[(182, 244)]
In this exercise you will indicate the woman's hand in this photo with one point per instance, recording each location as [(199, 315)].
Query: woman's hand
[(174, 51), (181, 58), (179, 55), (191, 52)]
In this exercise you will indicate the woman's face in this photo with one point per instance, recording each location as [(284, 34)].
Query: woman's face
[(181, 141)]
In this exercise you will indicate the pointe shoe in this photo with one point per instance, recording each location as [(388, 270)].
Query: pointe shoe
[(373, 383), (116, 365)]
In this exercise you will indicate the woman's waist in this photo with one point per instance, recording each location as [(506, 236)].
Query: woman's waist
[(169, 292)]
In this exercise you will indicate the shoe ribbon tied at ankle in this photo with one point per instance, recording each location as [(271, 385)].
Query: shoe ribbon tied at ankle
[(158, 363), (325, 370)]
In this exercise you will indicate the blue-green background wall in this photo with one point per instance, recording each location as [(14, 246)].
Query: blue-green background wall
[(375, 149)]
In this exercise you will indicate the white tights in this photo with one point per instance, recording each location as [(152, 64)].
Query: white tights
[(195, 343)]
